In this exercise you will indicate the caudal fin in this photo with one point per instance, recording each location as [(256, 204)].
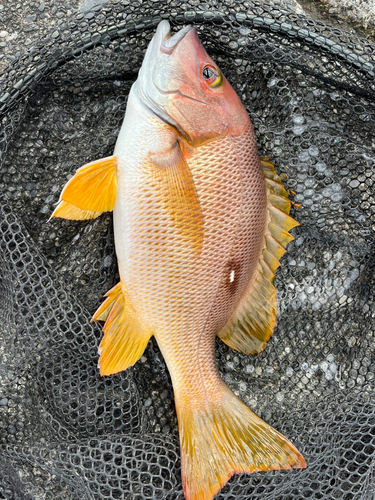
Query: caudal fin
[(227, 438)]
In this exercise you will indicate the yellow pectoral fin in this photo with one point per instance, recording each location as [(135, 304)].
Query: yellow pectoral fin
[(125, 338), (178, 194), (91, 191)]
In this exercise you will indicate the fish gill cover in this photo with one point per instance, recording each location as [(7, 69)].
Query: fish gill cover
[(68, 433)]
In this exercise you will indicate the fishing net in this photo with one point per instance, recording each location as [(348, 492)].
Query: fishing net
[(67, 433)]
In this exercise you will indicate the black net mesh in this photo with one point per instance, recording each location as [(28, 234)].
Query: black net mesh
[(65, 432)]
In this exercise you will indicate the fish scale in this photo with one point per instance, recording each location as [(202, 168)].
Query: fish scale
[(217, 186), (249, 240), (200, 223)]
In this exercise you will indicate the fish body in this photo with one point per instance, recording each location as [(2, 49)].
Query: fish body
[(200, 223), (174, 287)]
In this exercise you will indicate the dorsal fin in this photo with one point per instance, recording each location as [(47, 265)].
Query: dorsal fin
[(254, 320)]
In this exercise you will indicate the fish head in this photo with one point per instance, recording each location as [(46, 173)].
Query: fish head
[(182, 85)]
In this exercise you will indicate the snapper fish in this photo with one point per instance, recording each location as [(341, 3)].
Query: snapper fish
[(200, 223)]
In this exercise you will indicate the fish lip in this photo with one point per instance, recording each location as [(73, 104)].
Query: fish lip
[(170, 42)]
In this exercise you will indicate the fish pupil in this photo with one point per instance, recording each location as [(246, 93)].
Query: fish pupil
[(208, 73)]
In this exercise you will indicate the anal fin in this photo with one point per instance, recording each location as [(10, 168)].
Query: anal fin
[(103, 311), (125, 338), (254, 320)]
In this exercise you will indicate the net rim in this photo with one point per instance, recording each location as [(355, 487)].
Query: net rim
[(12, 92)]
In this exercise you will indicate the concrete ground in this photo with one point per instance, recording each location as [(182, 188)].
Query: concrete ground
[(355, 16), (22, 22)]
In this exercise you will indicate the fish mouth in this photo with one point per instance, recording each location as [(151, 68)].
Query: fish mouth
[(170, 42), (153, 73)]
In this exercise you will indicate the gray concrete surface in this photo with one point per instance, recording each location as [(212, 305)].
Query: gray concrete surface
[(355, 16), (362, 11), (22, 22)]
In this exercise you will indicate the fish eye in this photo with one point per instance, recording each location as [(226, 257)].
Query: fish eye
[(208, 73), (212, 75)]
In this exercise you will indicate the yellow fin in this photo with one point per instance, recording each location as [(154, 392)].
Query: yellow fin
[(281, 219), (223, 438), (125, 338), (280, 202), (283, 237), (274, 247), (272, 261), (92, 189), (254, 320), (66, 210), (102, 312), (276, 188), (178, 193)]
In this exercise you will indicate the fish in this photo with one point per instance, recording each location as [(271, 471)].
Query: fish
[(200, 224)]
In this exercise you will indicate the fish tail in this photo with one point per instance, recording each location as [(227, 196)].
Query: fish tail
[(224, 438)]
